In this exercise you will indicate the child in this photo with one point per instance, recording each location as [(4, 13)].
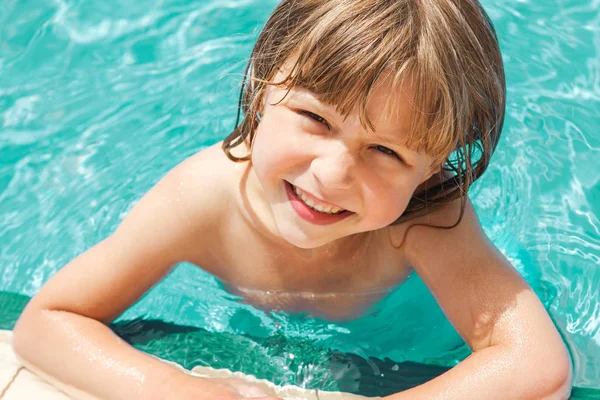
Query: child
[(364, 124)]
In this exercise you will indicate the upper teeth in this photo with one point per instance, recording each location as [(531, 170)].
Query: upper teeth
[(327, 209)]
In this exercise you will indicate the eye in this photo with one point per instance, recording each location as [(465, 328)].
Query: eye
[(388, 152), (315, 117)]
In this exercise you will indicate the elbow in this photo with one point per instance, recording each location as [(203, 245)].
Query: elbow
[(22, 336), (26, 335), (559, 381), (553, 376)]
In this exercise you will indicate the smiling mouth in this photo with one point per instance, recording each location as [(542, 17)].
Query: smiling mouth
[(314, 210), (315, 205)]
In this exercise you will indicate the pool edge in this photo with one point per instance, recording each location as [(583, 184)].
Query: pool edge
[(19, 383)]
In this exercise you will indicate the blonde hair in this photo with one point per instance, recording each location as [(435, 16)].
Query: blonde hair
[(448, 49)]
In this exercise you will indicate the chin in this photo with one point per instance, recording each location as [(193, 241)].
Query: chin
[(304, 242), (299, 238)]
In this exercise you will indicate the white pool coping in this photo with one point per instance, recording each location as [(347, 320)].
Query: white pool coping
[(18, 383)]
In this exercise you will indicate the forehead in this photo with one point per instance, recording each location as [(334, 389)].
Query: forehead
[(390, 106)]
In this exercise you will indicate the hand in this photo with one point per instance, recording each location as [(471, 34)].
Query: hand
[(188, 387)]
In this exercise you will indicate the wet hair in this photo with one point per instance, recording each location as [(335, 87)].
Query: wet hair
[(339, 49)]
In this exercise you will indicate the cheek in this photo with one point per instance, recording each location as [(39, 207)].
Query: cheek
[(274, 150), (386, 203)]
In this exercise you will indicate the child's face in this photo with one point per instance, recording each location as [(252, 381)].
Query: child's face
[(370, 175)]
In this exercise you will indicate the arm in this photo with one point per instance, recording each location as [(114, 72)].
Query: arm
[(62, 335), (517, 352)]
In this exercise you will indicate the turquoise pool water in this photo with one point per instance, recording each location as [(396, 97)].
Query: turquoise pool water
[(100, 98)]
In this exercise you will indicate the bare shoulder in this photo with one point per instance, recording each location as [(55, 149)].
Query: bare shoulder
[(200, 196), (436, 239), (207, 168), (436, 225), (423, 231), (201, 186)]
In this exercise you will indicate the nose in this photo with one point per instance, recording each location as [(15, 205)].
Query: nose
[(334, 169)]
